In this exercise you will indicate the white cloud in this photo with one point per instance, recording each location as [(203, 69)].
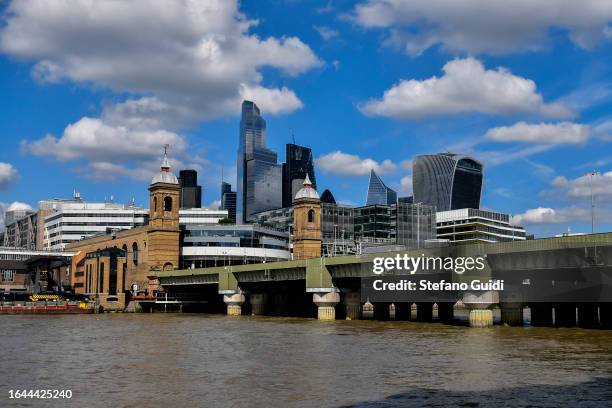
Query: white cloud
[(8, 174), (109, 151), (541, 133), (180, 61), (406, 164), (326, 33), (214, 205), (406, 185), (485, 26), (546, 215), (580, 187), (344, 164), (466, 86)]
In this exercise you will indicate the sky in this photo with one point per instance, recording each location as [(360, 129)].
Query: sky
[(90, 91)]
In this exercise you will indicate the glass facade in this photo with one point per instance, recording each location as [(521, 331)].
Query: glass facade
[(378, 192), (228, 200), (259, 177), (471, 226), (299, 162), (447, 181), (191, 193)]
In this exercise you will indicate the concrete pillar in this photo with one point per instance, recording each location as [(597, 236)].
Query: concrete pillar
[(565, 315), (541, 314), (367, 310), (402, 311), (258, 303), (512, 314), (326, 303), (425, 311), (234, 304), (381, 311), (480, 304), (588, 315), (352, 302)]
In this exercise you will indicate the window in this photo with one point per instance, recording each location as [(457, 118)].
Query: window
[(8, 275), (101, 278), (167, 204), (311, 215), (135, 253), (154, 205)]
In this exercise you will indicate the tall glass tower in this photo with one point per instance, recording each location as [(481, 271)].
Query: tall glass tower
[(298, 165), (378, 192), (447, 181), (259, 177)]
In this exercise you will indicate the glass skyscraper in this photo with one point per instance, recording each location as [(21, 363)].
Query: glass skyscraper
[(447, 181), (228, 200), (191, 192), (259, 177), (299, 162), (378, 192)]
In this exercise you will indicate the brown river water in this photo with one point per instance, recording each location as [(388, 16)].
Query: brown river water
[(186, 360)]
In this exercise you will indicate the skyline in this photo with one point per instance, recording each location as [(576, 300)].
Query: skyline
[(533, 104)]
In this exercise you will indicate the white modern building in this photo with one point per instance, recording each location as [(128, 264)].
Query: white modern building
[(198, 216), (469, 225)]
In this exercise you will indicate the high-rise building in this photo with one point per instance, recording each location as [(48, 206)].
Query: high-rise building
[(228, 200), (191, 193), (259, 177), (447, 181), (468, 226), (298, 163), (328, 197), (378, 192)]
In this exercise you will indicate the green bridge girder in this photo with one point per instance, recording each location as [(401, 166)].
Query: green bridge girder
[(320, 272)]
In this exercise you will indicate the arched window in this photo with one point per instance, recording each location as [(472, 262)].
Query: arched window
[(167, 204), (168, 266), (125, 252), (311, 215), (154, 205), (135, 253)]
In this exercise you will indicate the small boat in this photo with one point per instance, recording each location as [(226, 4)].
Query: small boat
[(60, 308)]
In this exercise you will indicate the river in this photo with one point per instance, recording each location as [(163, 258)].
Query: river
[(186, 360)]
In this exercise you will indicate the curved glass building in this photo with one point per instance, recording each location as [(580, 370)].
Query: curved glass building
[(447, 181), (378, 192)]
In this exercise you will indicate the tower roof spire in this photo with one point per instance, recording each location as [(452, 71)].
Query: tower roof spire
[(165, 175)]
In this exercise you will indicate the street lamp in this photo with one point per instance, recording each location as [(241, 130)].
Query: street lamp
[(591, 175)]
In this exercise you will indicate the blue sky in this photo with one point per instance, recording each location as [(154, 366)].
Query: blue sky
[(91, 92)]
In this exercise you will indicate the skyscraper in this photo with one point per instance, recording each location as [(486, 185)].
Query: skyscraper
[(228, 200), (447, 181), (191, 193), (259, 177), (298, 163), (378, 192)]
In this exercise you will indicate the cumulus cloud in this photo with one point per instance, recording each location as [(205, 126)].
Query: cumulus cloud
[(541, 133), (344, 164), (180, 62), (406, 185), (109, 151), (8, 174), (481, 26), (581, 187), (466, 86), (546, 215)]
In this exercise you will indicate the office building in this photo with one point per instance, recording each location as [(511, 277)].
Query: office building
[(191, 192), (298, 163), (228, 200), (378, 192), (20, 229), (201, 216), (328, 197), (469, 225), (447, 181), (337, 229), (259, 177), (216, 245)]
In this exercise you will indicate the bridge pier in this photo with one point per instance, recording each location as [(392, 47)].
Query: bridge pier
[(352, 303), (326, 305), (258, 303), (234, 304), (480, 304), (512, 314)]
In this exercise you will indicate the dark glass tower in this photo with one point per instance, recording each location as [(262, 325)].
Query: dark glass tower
[(379, 193), (447, 181), (259, 177), (191, 193), (298, 163), (228, 200)]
